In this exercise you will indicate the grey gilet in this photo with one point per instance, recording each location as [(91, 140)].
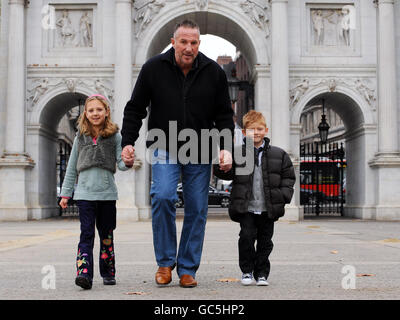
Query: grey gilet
[(257, 199), (101, 154)]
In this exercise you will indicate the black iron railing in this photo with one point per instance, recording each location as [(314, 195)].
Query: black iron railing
[(322, 178), (62, 163)]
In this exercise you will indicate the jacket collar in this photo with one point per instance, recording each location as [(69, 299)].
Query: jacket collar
[(200, 61), (247, 145)]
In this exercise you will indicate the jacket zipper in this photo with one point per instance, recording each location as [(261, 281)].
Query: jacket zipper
[(269, 182), (184, 102)]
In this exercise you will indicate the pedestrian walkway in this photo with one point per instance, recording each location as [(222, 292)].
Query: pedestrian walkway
[(312, 259)]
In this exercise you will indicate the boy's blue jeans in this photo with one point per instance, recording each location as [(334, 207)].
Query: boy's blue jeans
[(195, 182)]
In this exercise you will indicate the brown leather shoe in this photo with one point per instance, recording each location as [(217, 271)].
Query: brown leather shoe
[(187, 281), (164, 275)]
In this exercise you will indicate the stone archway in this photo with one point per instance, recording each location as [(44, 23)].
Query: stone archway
[(360, 141), (42, 143), (230, 22)]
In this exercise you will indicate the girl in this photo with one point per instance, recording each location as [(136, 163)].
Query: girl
[(95, 153)]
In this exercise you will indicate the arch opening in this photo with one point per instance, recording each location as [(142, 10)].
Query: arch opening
[(50, 142), (350, 131), (348, 110), (57, 107), (209, 23)]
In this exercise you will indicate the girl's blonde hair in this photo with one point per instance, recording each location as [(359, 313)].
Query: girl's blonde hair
[(85, 127)]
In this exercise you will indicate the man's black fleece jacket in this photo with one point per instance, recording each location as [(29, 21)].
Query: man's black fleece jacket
[(198, 101)]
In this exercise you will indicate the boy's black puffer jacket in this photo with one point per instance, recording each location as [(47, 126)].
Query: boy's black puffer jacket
[(278, 179)]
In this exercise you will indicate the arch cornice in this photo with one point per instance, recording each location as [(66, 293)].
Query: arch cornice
[(231, 11)]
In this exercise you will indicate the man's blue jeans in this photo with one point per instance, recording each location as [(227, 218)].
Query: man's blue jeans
[(195, 182)]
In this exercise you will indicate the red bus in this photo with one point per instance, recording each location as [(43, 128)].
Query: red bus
[(323, 179)]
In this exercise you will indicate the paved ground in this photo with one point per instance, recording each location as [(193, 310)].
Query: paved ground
[(307, 262)]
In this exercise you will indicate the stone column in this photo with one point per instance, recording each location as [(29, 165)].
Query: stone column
[(387, 160), (387, 84), (123, 57), (262, 93), (15, 127), (280, 131), (280, 125), (143, 174), (126, 208), (14, 162)]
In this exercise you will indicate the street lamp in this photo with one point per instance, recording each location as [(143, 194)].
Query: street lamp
[(233, 87), (323, 126)]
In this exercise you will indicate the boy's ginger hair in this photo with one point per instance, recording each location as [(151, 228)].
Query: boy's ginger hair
[(253, 117)]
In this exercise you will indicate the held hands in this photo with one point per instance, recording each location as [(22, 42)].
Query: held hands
[(128, 155), (225, 160)]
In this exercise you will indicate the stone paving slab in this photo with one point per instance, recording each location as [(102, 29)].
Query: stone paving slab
[(306, 263)]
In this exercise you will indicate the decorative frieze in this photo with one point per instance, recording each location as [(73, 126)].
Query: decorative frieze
[(366, 88), (38, 87), (146, 10)]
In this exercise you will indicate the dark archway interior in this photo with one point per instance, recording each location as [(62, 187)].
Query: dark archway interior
[(344, 106), (57, 107)]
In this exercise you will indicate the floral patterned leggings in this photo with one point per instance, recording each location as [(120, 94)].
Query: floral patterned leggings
[(103, 215)]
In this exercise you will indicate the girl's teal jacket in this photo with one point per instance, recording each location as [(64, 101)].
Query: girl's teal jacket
[(93, 183)]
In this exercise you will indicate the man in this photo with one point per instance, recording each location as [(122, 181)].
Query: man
[(183, 87)]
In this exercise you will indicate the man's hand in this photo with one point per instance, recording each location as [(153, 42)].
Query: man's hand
[(225, 160), (128, 155)]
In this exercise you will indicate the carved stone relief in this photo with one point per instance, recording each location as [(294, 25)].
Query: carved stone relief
[(38, 87), (201, 4), (365, 87), (298, 90), (74, 28), (330, 27), (145, 11), (257, 10), (366, 92)]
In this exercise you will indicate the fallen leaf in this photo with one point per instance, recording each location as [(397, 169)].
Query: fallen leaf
[(365, 275), (138, 293), (315, 227), (391, 240), (228, 280), (334, 251)]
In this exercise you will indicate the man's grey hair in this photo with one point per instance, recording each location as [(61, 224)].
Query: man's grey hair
[(186, 24)]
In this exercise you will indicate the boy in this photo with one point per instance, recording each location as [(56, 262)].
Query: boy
[(258, 197)]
